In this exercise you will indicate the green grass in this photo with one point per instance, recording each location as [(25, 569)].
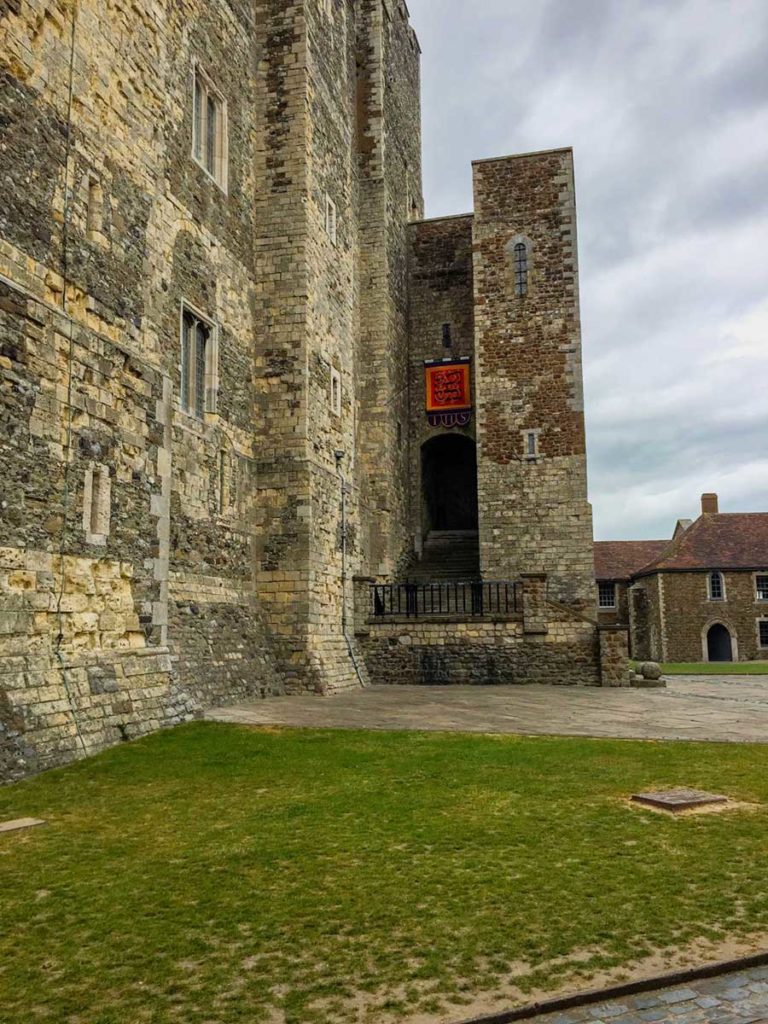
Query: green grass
[(216, 874), (737, 668)]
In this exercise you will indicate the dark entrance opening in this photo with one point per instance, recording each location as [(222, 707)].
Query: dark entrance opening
[(719, 645), (449, 482)]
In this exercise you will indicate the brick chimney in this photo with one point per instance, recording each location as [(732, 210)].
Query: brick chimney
[(710, 505)]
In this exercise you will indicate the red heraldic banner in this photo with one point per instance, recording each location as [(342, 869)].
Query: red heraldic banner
[(449, 387)]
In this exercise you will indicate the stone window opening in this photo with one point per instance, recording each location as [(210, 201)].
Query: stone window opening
[(227, 482), (531, 445), (521, 269), (762, 634), (198, 364), (716, 586), (447, 336), (520, 260), (606, 595), (761, 587), (97, 504), (331, 219), (519, 255), (94, 216), (210, 129), (411, 201), (335, 392)]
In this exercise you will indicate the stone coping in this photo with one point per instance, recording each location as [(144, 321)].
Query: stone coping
[(423, 620)]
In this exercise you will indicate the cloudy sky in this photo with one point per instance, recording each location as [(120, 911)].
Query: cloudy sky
[(666, 105)]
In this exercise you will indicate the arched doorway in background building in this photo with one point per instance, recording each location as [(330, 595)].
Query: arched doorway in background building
[(719, 643), (449, 483)]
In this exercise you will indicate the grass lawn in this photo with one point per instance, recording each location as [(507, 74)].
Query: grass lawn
[(737, 668), (217, 874)]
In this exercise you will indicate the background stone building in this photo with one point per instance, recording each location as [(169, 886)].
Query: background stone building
[(616, 562), (216, 302), (703, 596)]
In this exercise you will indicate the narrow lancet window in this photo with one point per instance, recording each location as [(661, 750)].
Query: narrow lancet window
[(198, 372), (520, 255)]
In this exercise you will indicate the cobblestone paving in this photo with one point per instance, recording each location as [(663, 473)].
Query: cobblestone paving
[(730, 999), (728, 708)]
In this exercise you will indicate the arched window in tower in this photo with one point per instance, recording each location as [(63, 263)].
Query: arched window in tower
[(520, 258)]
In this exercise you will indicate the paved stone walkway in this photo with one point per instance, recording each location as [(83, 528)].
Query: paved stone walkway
[(730, 999), (728, 708)]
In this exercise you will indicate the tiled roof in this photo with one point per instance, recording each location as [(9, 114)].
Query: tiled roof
[(620, 559), (734, 540)]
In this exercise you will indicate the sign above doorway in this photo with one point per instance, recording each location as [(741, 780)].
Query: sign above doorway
[(448, 385)]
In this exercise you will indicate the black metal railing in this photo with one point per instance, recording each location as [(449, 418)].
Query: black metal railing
[(421, 600)]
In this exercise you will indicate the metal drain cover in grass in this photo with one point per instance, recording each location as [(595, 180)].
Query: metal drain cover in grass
[(677, 800)]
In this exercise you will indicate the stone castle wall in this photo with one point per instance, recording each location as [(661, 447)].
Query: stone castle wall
[(434, 653), (218, 562), (534, 513), (127, 580), (154, 561), (390, 195), (440, 294)]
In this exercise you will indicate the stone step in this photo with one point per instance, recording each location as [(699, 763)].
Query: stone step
[(451, 556)]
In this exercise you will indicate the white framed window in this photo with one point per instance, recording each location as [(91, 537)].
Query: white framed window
[(199, 363), (335, 392), (716, 586), (210, 146), (761, 586), (762, 634), (331, 219), (606, 595)]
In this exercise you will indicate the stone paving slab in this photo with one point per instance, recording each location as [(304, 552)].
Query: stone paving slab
[(20, 824), (740, 998), (728, 708)]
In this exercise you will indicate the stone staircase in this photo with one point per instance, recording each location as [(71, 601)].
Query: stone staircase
[(452, 555)]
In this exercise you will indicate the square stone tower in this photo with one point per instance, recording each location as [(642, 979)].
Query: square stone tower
[(532, 464)]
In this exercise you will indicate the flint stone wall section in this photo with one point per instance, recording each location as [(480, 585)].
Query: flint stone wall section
[(105, 639), (446, 653), (671, 614), (614, 656)]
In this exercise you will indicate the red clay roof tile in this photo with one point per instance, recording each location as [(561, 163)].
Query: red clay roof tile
[(734, 540), (621, 559)]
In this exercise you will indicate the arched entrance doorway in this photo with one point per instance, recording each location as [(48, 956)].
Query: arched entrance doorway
[(449, 483), (719, 643)]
